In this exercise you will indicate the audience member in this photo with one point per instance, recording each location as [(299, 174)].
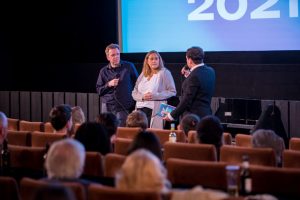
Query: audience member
[(210, 131), (142, 171), (3, 128), (270, 119), (65, 161), (268, 139), (189, 122), (61, 119), (137, 119), (110, 122), (146, 140), (153, 87), (78, 116), (57, 192), (94, 137)]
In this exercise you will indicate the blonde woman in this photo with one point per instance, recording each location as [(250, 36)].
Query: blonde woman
[(142, 171), (153, 87)]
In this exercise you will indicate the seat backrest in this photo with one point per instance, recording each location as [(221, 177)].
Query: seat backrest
[(27, 157), (190, 151), (21, 138), (282, 182), (243, 140), (13, 124), (127, 132), (163, 135), (40, 139), (294, 144), (31, 126), (93, 164), (122, 145), (192, 137), (97, 192), (9, 189), (227, 138), (257, 156), (48, 127), (291, 159), (29, 187), (183, 173), (112, 163)]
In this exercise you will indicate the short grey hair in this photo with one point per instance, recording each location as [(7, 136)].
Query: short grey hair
[(3, 120), (65, 159)]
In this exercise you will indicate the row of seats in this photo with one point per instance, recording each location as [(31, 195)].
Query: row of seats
[(275, 181)]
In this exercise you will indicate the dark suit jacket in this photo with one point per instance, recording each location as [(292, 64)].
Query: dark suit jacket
[(196, 93)]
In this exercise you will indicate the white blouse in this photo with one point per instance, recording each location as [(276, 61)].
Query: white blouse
[(148, 86)]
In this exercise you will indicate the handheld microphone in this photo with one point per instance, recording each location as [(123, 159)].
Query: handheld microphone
[(186, 67)]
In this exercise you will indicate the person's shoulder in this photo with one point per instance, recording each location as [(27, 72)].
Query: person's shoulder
[(104, 68)]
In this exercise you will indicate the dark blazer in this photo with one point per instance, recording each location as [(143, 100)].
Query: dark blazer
[(196, 93)]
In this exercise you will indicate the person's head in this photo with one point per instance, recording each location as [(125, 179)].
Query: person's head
[(65, 159), (146, 140), (268, 139), (110, 122), (112, 52), (194, 56), (137, 119), (94, 137), (270, 118), (189, 122), (78, 116), (61, 118), (3, 127), (210, 131), (57, 192), (152, 63), (142, 170)]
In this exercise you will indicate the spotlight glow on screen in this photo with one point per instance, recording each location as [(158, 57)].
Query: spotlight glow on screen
[(215, 25)]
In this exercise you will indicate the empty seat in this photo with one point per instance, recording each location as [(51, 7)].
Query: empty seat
[(13, 124), (40, 139), (163, 135), (112, 163), (127, 132), (97, 192), (257, 156), (93, 165), (227, 138), (243, 140), (291, 159), (294, 144), (22, 138), (188, 173), (31, 126), (190, 151), (9, 189), (122, 145)]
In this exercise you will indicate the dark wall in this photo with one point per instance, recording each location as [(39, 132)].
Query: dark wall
[(58, 45)]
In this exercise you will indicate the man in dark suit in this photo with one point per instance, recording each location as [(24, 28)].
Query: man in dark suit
[(198, 87)]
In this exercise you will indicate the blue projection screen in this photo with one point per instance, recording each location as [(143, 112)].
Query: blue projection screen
[(215, 25)]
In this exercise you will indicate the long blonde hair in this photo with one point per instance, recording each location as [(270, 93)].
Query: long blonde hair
[(146, 68), (142, 171)]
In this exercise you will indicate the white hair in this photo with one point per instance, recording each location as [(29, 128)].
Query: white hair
[(3, 120), (65, 159)]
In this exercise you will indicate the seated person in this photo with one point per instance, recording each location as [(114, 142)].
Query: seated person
[(57, 192), (110, 122), (137, 119), (61, 119), (3, 128), (268, 139), (65, 162), (142, 171), (78, 116), (94, 137), (146, 140), (210, 131), (188, 122)]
